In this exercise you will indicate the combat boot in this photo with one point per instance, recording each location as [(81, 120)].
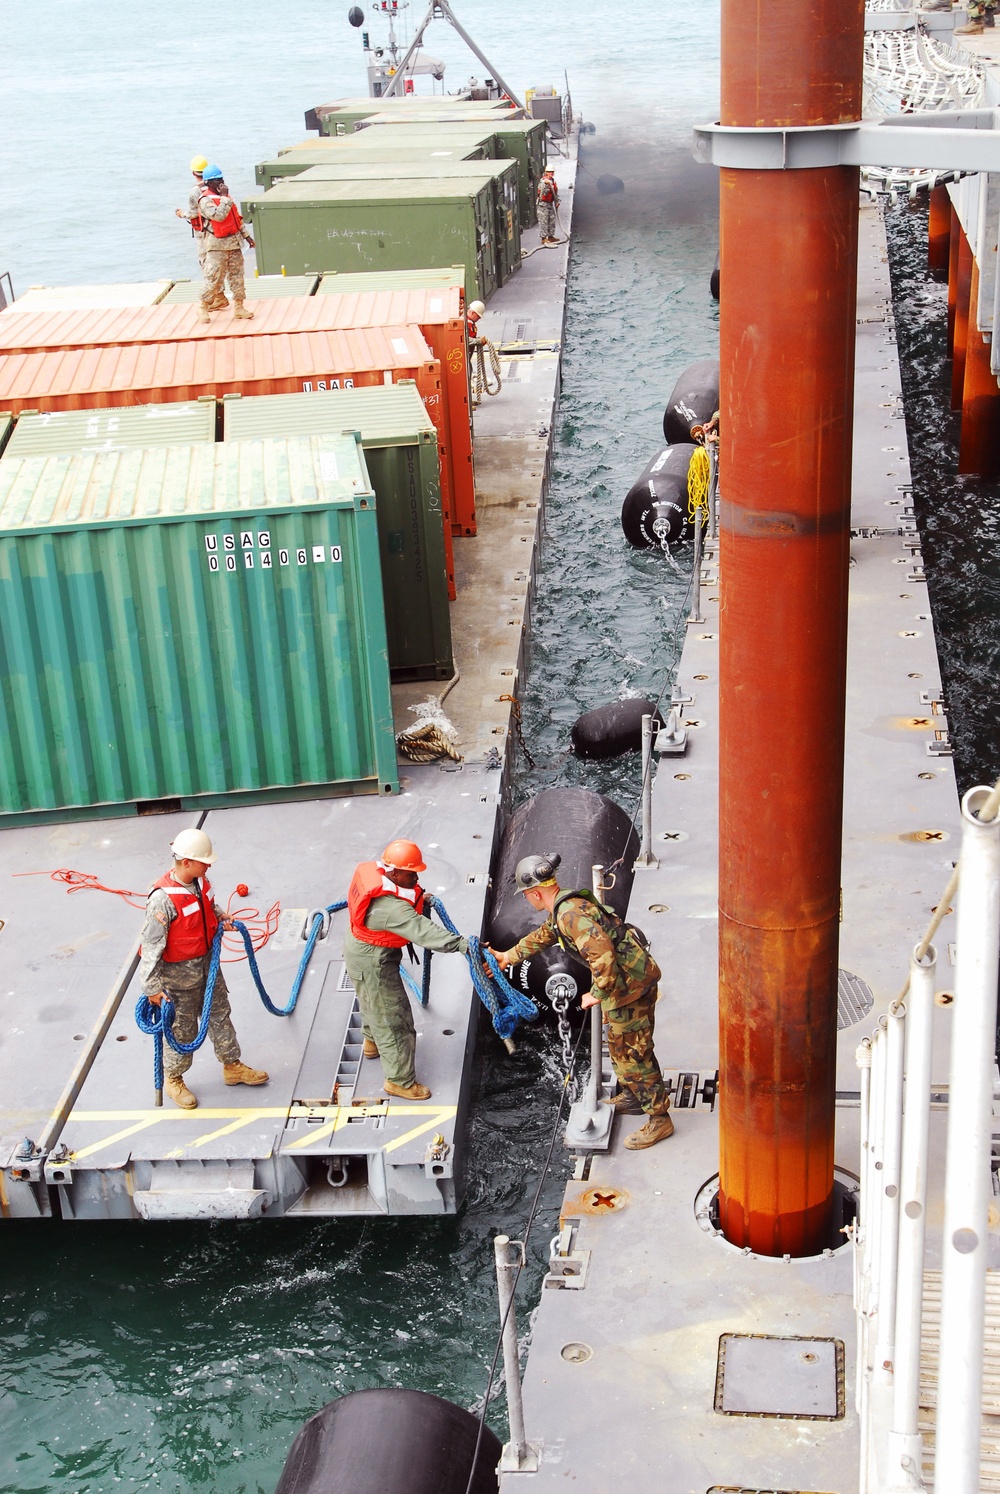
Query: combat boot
[(657, 1128), (239, 1073), (370, 1050), (203, 314), (414, 1092), (625, 1103), (239, 310), (179, 1092)]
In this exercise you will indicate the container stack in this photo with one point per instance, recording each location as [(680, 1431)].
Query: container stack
[(218, 542)]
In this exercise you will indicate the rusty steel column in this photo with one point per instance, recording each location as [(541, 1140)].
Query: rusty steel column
[(787, 334), (960, 333), (953, 240), (938, 232), (979, 443)]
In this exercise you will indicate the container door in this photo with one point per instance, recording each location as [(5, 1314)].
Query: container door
[(486, 246)]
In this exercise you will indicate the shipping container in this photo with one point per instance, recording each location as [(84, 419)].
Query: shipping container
[(294, 162), (344, 115), (191, 626), (339, 283), (438, 136), (6, 426), (259, 288), (67, 297), (401, 453), (71, 431), (502, 175), (378, 226)]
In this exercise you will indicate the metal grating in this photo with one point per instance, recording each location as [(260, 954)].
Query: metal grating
[(989, 1457), (855, 999), (762, 1374)]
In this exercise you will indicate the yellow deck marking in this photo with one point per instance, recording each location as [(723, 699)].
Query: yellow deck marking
[(203, 1112), (241, 1120), (446, 1113), (342, 1117), (98, 1146)]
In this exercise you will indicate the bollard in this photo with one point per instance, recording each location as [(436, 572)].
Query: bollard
[(646, 861), (519, 1455)]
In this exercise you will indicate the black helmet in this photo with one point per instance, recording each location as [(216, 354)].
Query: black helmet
[(535, 871)]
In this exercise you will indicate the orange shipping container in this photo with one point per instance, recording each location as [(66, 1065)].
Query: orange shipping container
[(437, 312), (159, 373)]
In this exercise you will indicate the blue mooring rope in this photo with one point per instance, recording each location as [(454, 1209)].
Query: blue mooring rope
[(505, 1003), (157, 1022)]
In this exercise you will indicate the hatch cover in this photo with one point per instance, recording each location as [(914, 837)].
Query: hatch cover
[(761, 1375)]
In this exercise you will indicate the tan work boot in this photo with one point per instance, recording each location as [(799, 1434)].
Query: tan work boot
[(239, 1073), (625, 1103), (974, 28), (220, 304), (179, 1092), (203, 314), (657, 1128), (370, 1050), (415, 1092), (240, 310)]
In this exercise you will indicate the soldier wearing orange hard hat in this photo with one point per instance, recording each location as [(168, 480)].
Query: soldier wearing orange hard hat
[(385, 904)]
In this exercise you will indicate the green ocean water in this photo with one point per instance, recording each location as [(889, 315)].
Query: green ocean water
[(182, 1358)]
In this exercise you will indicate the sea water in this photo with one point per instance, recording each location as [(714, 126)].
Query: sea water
[(146, 1356)]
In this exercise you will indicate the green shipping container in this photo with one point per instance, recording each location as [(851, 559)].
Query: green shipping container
[(502, 174), (293, 162), (259, 288), (199, 624), (6, 426), (389, 280), (343, 116), (68, 431), (425, 132), (401, 453), (385, 225)]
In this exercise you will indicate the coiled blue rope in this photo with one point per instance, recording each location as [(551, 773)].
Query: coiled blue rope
[(157, 1022)]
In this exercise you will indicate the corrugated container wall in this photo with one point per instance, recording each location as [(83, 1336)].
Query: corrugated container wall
[(201, 624), (68, 297), (400, 446), (69, 431), (377, 226), (258, 288)]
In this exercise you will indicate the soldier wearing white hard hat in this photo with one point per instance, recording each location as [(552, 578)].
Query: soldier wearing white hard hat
[(181, 920)]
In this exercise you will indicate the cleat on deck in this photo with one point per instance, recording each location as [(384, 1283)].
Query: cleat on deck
[(415, 1092), (239, 1073), (657, 1128), (178, 1091)]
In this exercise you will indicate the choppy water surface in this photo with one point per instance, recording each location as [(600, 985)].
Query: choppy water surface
[(959, 517), (147, 1357)]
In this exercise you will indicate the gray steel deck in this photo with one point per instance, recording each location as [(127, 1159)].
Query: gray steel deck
[(661, 1290)]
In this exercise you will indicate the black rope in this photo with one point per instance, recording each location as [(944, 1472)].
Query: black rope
[(527, 1235)]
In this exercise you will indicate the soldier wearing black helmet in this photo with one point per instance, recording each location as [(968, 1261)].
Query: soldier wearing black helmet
[(624, 979)]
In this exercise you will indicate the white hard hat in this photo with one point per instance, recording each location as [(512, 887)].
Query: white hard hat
[(193, 845), (477, 308)]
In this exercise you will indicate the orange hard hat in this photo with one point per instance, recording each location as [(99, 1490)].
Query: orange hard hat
[(403, 855)]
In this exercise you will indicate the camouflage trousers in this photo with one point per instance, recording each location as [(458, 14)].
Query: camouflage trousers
[(547, 220), (979, 8), (220, 267), (630, 1044), (385, 1007), (187, 1014)]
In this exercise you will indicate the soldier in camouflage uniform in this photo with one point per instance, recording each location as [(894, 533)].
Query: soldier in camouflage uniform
[(181, 919), (224, 238), (981, 14), (385, 905), (624, 979)]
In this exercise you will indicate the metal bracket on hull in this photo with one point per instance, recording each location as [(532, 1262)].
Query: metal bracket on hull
[(956, 140)]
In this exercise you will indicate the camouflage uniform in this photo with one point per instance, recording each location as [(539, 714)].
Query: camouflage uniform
[(194, 211), (374, 971), (184, 982), (623, 975), (980, 9), (547, 210), (223, 257)]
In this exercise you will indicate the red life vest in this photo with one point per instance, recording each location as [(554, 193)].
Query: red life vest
[(190, 934), (230, 224), (547, 190), (368, 883)]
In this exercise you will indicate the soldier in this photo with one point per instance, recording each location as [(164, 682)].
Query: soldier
[(548, 202), (224, 238), (981, 13), (193, 215), (624, 976), (385, 905), (181, 919)]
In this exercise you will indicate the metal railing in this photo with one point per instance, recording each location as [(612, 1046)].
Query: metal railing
[(890, 1231)]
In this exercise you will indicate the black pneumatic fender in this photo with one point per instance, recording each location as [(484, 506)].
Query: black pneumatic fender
[(390, 1441), (713, 281), (693, 400), (550, 973), (613, 729), (586, 829), (655, 510)]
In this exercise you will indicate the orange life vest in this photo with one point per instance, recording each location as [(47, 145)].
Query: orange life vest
[(190, 934), (368, 883), (230, 224), (547, 190)]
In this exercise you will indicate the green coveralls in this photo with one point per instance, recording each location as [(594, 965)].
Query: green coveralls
[(374, 971)]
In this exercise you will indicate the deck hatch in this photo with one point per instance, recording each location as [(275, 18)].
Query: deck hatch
[(762, 1375)]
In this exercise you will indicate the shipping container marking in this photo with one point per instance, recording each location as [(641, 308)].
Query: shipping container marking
[(308, 386), (263, 541)]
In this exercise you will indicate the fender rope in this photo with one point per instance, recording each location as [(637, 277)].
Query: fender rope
[(157, 1022)]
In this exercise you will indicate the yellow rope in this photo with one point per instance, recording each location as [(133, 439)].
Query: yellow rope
[(699, 479)]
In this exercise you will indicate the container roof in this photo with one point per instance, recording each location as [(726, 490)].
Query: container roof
[(431, 151), (44, 297), (181, 424), (258, 288), (337, 282), (180, 482), (393, 413), (292, 191), (389, 172)]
